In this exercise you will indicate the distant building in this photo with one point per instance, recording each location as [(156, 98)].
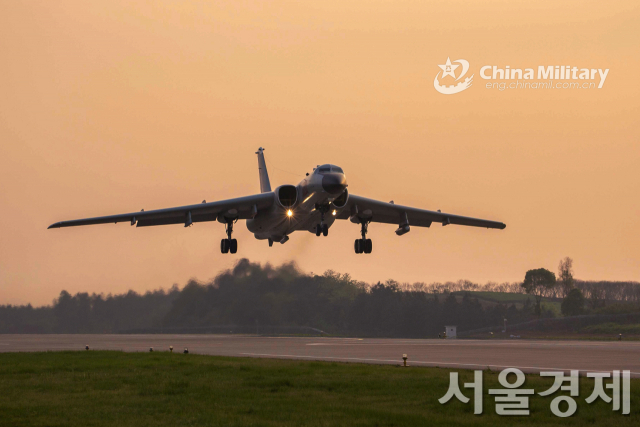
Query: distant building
[(450, 332)]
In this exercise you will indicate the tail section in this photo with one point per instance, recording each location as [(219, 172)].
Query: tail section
[(265, 185)]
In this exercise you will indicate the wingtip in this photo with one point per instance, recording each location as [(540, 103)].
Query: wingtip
[(56, 225)]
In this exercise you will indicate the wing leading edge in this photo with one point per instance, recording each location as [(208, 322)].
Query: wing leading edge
[(360, 208), (241, 208)]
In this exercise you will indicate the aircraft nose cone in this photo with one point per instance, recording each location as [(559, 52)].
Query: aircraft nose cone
[(334, 183)]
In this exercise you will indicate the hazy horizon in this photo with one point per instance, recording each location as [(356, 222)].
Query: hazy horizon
[(112, 107)]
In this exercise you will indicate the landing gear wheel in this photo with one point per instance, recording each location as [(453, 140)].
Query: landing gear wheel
[(363, 245), (322, 228), (229, 245)]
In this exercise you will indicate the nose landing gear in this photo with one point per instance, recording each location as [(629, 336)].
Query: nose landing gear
[(322, 228), (363, 245), (229, 245)]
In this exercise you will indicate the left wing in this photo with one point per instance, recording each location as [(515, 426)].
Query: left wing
[(360, 209), (241, 208)]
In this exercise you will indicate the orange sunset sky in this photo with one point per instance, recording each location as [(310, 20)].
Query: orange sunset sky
[(113, 106)]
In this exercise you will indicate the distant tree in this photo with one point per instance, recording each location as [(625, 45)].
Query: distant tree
[(573, 303), (537, 283), (597, 297), (565, 276)]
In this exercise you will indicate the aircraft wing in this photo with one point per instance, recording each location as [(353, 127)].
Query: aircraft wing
[(241, 208), (360, 208)]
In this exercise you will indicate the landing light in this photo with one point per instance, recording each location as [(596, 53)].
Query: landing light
[(289, 213), (334, 212)]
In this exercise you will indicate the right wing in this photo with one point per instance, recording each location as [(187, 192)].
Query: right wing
[(241, 208), (360, 208)]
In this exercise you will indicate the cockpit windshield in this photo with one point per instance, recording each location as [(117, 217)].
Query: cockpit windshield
[(328, 168)]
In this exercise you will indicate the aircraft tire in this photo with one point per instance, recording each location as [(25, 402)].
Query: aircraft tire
[(325, 230), (358, 246), (233, 246), (224, 246), (318, 229), (368, 246)]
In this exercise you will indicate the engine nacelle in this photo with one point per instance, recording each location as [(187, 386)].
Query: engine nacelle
[(287, 196), (341, 200)]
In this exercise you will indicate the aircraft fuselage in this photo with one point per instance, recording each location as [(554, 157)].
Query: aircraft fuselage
[(315, 197)]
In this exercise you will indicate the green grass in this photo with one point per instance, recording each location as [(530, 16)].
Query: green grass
[(158, 389), (554, 306), (509, 298), (505, 297), (613, 328), (500, 297)]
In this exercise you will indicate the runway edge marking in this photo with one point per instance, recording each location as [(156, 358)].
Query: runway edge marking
[(443, 364)]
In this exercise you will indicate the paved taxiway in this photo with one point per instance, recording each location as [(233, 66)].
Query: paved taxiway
[(529, 356)]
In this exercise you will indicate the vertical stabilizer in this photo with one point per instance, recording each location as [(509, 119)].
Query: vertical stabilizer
[(265, 185)]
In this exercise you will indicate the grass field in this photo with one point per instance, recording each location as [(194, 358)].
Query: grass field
[(508, 298), (613, 329), (158, 389), (503, 297)]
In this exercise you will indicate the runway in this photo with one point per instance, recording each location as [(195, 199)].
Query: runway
[(529, 356)]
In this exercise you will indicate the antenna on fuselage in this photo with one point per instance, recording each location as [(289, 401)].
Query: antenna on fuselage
[(265, 185)]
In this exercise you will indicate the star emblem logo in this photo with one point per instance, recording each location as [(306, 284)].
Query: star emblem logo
[(448, 69)]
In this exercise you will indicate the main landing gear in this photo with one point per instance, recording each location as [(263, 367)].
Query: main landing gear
[(363, 245), (229, 245), (322, 228)]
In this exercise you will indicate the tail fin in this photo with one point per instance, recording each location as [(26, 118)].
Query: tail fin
[(265, 186)]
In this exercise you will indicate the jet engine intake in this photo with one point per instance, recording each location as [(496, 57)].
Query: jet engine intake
[(341, 200), (287, 196)]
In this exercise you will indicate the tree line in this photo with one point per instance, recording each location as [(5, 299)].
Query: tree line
[(254, 294), (251, 294)]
